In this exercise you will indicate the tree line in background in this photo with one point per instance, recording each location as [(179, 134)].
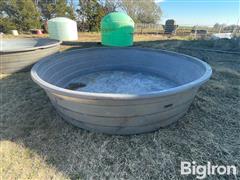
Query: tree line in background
[(223, 27), (24, 15)]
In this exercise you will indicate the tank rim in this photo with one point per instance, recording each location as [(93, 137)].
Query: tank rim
[(56, 43), (90, 95)]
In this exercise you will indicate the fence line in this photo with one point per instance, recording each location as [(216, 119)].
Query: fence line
[(181, 30)]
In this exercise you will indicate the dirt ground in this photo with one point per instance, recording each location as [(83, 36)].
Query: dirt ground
[(37, 144)]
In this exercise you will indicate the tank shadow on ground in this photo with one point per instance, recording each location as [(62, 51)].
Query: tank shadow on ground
[(209, 129), (171, 44), (71, 45), (221, 44)]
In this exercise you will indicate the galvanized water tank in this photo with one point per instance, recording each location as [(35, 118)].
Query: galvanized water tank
[(117, 29), (63, 29), (121, 113), (18, 55)]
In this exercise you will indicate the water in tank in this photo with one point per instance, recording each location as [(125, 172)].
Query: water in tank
[(63, 29), (117, 29)]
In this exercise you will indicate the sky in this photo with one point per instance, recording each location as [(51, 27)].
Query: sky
[(201, 12)]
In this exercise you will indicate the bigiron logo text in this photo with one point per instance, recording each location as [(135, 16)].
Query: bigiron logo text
[(202, 171)]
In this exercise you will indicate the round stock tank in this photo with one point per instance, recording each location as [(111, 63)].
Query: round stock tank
[(121, 90)]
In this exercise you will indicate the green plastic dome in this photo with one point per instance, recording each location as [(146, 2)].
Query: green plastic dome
[(63, 29), (117, 29)]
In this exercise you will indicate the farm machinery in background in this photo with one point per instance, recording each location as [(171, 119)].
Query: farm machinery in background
[(170, 27)]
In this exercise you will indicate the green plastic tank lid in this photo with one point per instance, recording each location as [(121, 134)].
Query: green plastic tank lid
[(117, 29)]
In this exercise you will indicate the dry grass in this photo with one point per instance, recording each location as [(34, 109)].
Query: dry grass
[(18, 161), (37, 144)]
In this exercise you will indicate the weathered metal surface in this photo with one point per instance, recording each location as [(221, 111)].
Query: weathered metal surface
[(17, 55), (121, 113)]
